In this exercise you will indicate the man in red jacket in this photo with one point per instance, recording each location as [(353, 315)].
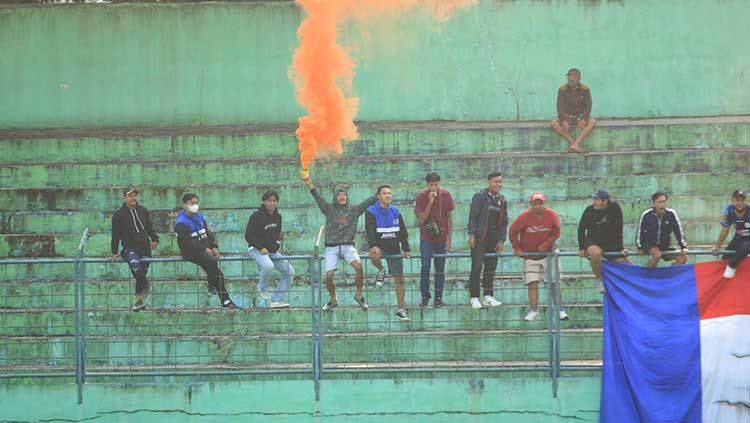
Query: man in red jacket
[(535, 230)]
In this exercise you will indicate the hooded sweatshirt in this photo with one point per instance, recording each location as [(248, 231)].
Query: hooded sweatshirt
[(133, 228), (264, 230), (341, 220)]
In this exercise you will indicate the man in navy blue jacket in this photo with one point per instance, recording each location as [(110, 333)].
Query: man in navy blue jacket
[(387, 235), (488, 229), (655, 229), (198, 245)]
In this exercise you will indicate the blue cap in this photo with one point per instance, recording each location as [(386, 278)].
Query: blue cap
[(601, 194)]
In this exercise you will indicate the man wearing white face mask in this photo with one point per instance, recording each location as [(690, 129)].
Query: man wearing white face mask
[(198, 245)]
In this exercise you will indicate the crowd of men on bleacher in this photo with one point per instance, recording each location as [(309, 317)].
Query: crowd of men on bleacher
[(535, 230)]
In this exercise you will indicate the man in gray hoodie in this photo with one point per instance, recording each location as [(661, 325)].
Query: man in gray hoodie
[(341, 228)]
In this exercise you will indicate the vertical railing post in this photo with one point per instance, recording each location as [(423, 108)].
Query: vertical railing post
[(553, 278), (79, 271), (317, 316), (550, 322)]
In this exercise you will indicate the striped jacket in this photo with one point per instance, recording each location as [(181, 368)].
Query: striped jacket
[(655, 231)]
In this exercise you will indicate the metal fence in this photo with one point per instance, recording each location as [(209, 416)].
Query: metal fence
[(54, 328)]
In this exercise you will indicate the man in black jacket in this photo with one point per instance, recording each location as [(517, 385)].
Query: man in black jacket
[(654, 232), (487, 229), (131, 226), (263, 236), (600, 232), (198, 245)]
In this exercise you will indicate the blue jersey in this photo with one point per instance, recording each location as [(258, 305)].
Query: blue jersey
[(741, 223)]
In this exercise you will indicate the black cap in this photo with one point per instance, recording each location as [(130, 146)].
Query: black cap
[(574, 71), (130, 189), (601, 194), (739, 193)]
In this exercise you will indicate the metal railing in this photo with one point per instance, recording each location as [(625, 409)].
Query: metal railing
[(104, 339)]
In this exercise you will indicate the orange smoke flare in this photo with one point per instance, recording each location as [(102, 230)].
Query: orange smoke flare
[(322, 69)]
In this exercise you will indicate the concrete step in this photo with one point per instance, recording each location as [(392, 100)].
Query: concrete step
[(460, 166), (298, 216), (405, 138), (245, 195), (170, 293), (302, 242), (343, 349), (119, 320)]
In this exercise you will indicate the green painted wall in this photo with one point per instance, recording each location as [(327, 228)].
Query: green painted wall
[(198, 64), (517, 397)]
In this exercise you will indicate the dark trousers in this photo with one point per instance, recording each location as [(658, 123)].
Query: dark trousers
[(215, 276), (478, 262), (138, 268), (741, 247), (426, 250)]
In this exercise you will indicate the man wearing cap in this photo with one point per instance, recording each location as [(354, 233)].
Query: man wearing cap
[(600, 232), (131, 226), (433, 207), (655, 228), (535, 230), (198, 245), (341, 228), (573, 110), (736, 214), (487, 229)]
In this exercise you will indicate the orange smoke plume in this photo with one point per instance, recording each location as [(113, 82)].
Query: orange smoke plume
[(322, 69)]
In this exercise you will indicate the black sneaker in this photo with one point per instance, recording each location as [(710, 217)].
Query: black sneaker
[(138, 306), (210, 289), (228, 304), (401, 314), (362, 304), (438, 303), (425, 302), (329, 305)]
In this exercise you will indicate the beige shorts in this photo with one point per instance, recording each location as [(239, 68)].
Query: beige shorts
[(536, 270)]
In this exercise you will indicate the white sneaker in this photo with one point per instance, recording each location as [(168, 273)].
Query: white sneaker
[(263, 293), (475, 304), (489, 301), (531, 316), (563, 315), (380, 278), (278, 304), (600, 287), (729, 272)]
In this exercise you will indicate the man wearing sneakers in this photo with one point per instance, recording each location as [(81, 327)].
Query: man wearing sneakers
[(433, 207), (198, 245), (600, 232), (263, 236), (655, 229), (487, 228), (387, 235), (535, 230), (131, 226), (736, 214), (341, 228)]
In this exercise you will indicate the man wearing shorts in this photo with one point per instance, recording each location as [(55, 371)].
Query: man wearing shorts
[(655, 229), (600, 232), (535, 230), (387, 235), (573, 111), (341, 228)]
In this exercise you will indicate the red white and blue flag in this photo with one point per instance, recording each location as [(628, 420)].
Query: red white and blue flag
[(676, 344)]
